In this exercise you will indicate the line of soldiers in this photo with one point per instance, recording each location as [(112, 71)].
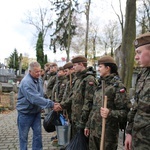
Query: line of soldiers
[(77, 89)]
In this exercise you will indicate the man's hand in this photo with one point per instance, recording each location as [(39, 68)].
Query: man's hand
[(128, 142), (57, 107), (104, 112)]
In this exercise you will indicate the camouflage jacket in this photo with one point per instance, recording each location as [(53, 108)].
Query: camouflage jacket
[(139, 115), (46, 76), (68, 88), (81, 98), (51, 83), (116, 103), (59, 88)]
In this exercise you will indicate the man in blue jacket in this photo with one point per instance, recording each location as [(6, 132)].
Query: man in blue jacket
[(30, 102)]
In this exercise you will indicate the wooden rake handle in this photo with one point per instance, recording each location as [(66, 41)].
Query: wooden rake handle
[(102, 142)]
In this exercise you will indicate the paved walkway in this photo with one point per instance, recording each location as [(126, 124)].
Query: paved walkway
[(9, 134)]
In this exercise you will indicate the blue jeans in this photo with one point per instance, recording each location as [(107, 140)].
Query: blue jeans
[(25, 121)]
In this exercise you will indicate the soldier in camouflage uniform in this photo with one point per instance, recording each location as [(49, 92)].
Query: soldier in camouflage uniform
[(69, 70), (60, 85), (46, 69), (81, 96), (52, 79), (46, 76), (116, 106), (138, 129)]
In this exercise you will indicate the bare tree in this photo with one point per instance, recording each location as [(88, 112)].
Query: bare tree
[(120, 16), (143, 15), (41, 19), (78, 41), (110, 37)]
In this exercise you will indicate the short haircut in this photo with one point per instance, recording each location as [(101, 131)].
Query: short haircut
[(84, 64)]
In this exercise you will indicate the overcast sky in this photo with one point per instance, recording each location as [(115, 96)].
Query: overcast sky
[(15, 34)]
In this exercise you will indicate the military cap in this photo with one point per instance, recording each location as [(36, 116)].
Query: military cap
[(53, 64), (106, 59), (68, 65), (143, 39), (79, 58)]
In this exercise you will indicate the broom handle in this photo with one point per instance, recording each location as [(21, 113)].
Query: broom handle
[(103, 127)]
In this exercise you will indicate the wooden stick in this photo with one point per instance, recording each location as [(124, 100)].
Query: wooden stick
[(102, 142), (70, 78), (103, 92)]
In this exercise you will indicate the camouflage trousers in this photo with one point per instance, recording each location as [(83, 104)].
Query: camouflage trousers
[(94, 144), (74, 130), (141, 139)]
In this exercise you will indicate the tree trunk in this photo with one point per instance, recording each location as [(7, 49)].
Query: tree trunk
[(87, 26), (127, 48), (69, 34)]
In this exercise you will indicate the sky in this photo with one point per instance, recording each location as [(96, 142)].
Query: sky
[(16, 34), (13, 32)]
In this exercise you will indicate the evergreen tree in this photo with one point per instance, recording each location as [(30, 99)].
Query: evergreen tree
[(39, 50), (14, 60), (65, 25)]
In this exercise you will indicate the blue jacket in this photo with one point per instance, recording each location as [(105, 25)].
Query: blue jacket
[(30, 96)]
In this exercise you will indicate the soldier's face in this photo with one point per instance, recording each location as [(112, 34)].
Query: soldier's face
[(103, 70), (142, 56), (67, 72), (78, 67), (53, 69), (61, 73)]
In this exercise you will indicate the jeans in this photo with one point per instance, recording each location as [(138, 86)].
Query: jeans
[(25, 121)]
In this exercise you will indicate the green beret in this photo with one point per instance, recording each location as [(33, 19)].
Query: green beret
[(143, 39), (78, 59), (68, 65), (106, 59)]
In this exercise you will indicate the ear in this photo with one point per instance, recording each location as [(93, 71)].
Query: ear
[(108, 68)]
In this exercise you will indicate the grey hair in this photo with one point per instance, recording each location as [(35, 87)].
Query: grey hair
[(33, 64)]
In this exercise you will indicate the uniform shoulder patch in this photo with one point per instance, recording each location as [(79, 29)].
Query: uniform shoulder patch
[(122, 90), (91, 83)]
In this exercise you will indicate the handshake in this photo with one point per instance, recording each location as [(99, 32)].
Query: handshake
[(57, 107)]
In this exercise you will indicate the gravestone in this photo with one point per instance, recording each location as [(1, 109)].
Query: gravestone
[(6, 74)]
